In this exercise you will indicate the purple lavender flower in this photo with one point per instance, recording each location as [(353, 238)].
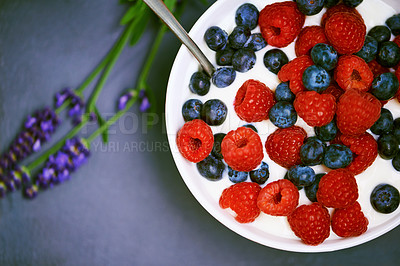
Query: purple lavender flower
[(76, 104), (144, 101), (30, 191), (62, 96), (124, 99)]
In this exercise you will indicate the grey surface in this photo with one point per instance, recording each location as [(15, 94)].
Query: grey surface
[(127, 206)]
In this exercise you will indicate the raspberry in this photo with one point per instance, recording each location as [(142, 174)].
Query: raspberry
[(377, 68), (293, 72), (345, 32), (311, 223), (278, 198), (352, 72), (253, 101), (308, 37), (365, 151), (356, 112), (349, 221), (277, 29), (334, 90), (338, 8), (242, 199), (242, 149), (283, 146), (315, 109), (195, 140), (337, 189)]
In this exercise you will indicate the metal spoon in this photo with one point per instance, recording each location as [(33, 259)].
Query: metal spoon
[(166, 16)]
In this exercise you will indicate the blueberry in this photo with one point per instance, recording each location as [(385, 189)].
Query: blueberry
[(236, 176), (283, 115), (224, 56), (310, 7), (388, 146), (394, 24), (256, 42), (311, 190), (352, 3), (287, 177), (312, 151), (369, 49), (223, 77), (385, 86), (199, 83), (191, 109), (211, 168), (331, 3), (380, 33), (251, 127), (396, 162), (337, 156), (301, 176), (243, 60), (247, 15), (214, 112), (239, 36), (215, 38), (384, 124), (388, 54), (316, 78), (274, 59), (260, 175), (283, 93), (216, 150), (385, 198), (396, 129), (324, 55), (327, 132)]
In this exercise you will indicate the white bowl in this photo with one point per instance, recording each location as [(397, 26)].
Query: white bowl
[(267, 230)]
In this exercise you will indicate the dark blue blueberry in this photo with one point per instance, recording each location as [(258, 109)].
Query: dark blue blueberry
[(380, 33), (301, 176), (243, 60), (311, 190), (396, 162), (223, 77), (191, 109), (274, 59), (324, 55), (385, 198), (283, 115), (310, 7), (394, 24), (369, 49), (337, 156), (331, 3), (251, 127), (215, 38), (214, 112), (388, 146), (283, 93), (316, 78), (239, 36), (224, 56), (287, 177), (247, 15), (199, 83), (384, 124), (385, 86), (388, 54), (327, 132), (352, 3), (216, 150), (312, 151), (211, 168), (260, 175), (236, 176), (396, 129), (256, 42)]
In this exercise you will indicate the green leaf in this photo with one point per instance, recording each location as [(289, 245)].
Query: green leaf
[(132, 12), (101, 121), (141, 23)]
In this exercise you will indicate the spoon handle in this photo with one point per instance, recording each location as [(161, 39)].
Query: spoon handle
[(166, 16)]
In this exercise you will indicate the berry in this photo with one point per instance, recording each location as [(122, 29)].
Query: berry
[(274, 59), (191, 110), (283, 115), (316, 78), (385, 86), (334, 90), (236, 176), (388, 146), (211, 168), (349, 221), (312, 151), (339, 8), (242, 149), (242, 199), (337, 156), (247, 15), (310, 7), (337, 189), (352, 3), (253, 101), (283, 146), (251, 127), (301, 176), (327, 132), (331, 3), (216, 150), (195, 140), (283, 93), (324, 55), (256, 42), (308, 37), (396, 128), (384, 124), (278, 198), (314, 108), (293, 72), (385, 198), (311, 190), (369, 49), (396, 162), (243, 60), (311, 223), (224, 56), (223, 77), (199, 83), (388, 54), (239, 36), (356, 112), (214, 112), (287, 178), (380, 33), (394, 24), (215, 38), (352, 72), (278, 30), (376, 68), (260, 175)]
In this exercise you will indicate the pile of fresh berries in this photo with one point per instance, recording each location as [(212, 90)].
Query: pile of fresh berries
[(338, 84)]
